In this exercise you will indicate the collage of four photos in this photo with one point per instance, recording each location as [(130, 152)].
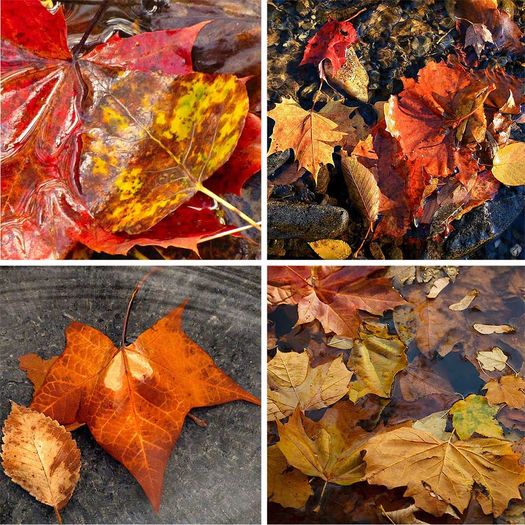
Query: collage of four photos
[(262, 262)]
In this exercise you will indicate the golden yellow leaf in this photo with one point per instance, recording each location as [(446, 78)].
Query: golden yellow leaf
[(473, 415), (329, 449), (288, 487), (292, 383), (362, 187), (311, 135), (507, 389), (445, 471), (509, 164), (41, 456), (493, 359), (375, 359), (331, 249)]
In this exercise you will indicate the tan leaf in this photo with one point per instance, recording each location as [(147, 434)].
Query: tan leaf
[(311, 135), (362, 187), (435, 424), (351, 78), (437, 287), (288, 487), (507, 389), (465, 302), (41, 456), (405, 516), (491, 360), (448, 470), (487, 329), (292, 383), (331, 249), (509, 164), (375, 359), (329, 449)]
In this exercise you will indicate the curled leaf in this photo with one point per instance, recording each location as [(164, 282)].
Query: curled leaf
[(41, 456), (465, 302), (487, 329), (438, 286)]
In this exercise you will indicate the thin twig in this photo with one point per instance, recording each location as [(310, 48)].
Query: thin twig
[(94, 21)]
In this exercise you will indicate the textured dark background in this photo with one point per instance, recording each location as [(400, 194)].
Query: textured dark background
[(214, 473)]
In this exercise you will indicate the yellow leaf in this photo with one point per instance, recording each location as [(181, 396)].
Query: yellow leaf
[(311, 135), (509, 164), (473, 415), (507, 389), (292, 383), (331, 249), (288, 487), (153, 140), (41, 456), (445, 471)]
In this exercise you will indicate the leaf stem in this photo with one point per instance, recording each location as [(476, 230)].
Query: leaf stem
[(58, 516), (94, 21), (130, 304), (200, 187), (318, 508)]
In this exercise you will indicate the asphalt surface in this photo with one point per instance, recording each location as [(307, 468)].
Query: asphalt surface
[(214, 473)]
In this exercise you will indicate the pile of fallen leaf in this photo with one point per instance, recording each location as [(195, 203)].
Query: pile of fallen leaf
[(396, 396), (406, 167), (123, 144), (133, 398)]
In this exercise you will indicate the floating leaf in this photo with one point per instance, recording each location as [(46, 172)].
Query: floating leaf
[(437, 287), (493, 359), (351, 78), (487, 329), (465, 302), (473, 415), (507, 389), (41, 456), (434, 424)]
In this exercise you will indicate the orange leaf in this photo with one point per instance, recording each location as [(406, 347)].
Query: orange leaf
[(135, 399)]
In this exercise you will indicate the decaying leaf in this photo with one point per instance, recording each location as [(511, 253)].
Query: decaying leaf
[(138, 393), (493, 359), (351, 78), (331, 249), (362, 187), (41, 456), (288, 487), (445, 469), (376, 359), (329, 449), (487, 329), (311, 135), (507, 389), (294, 383), (406, 515), (437, 286), (509, 164), (465, 302), (473, 415), (477, 35)]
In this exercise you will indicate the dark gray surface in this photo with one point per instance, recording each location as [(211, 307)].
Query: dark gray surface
[(214, 473)]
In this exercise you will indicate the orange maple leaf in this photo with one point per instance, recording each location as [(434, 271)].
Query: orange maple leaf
[(134, 399)]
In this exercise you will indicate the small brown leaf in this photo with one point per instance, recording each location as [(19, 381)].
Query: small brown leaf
[(507, 389), (362, 187), (41, 456)]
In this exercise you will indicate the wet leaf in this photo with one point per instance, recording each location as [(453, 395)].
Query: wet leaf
[(509, 163), (41, 456), (138, 393), (294, 383), (477, 35), (288, 487), (507, 389), (331, 249), (445, 469), (351, 78), (434, 424), (438, 285), (465, 302), (493, 359), (473, 415), (487, 329)]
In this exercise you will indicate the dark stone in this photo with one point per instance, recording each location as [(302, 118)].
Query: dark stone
[(277, 160), (213, 475), (310, 222), (485, 223)]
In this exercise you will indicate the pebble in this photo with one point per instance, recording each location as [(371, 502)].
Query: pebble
[(310, 222)]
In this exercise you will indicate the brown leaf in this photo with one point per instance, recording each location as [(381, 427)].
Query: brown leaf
[(362, 187), (41, 456), (507, 389), (351, 78)]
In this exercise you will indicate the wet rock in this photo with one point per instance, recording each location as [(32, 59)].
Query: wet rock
[(277, 160), (310, 222), (485, 223)]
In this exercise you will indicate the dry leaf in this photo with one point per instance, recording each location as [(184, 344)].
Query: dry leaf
[(36, 368), (491, 360), (487, 329), (445, 469), (362, 187), (437, 287), (477, 35), (507, 389), (288, 487), (292, 383), (435, 424), (376, 359), (352, 78), (343, 343), (331, 249), (473, 415), (41, 456), (465, 302), (509, 164), (404, 516)]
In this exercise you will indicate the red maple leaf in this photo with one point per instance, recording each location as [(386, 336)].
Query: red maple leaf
[(330, 43)]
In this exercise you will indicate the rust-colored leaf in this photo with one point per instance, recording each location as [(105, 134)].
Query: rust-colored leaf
[(135, 399), (41, 456)]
